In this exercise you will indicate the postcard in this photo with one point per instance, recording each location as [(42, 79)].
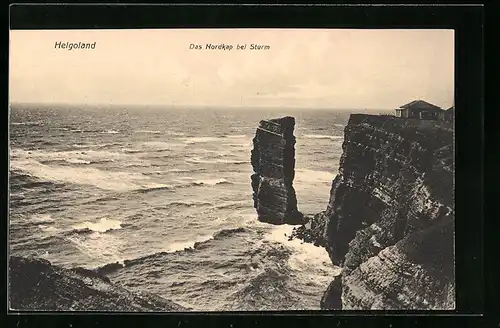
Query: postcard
[(215, 170)]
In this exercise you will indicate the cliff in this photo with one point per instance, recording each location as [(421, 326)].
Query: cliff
[(273, 161), (390, 219), (36, 284)]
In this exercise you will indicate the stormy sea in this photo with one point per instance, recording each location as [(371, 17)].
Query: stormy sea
[(160, 200)]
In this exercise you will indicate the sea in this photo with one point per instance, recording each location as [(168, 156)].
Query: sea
[(160, 200)]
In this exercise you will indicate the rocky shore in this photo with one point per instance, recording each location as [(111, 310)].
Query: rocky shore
[(389, 222), (37, 285)]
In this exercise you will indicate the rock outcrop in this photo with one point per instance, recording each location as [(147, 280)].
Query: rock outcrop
[(37, 285), (390, 219), (273, 161)]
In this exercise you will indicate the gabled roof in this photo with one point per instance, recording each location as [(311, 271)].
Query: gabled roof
[(452, 108), (420, 103)]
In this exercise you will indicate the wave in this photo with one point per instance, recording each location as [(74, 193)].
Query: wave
[(179, 171), (175, 247), (187, 204), (175, 133), (211, 182), (66, 160), (132, 151), (321, 136), (312, 176), (93, 156), (190, 244), (42, 218), (305, 256), (108, 180), (100, 247), (110, 132), (50, 229), (154, 187), (199, 160), (225, 233), (195, 140), (230, 205), (27, 123), (76, 161), (162, 145), (148, 131), (105, 145), (102, 225), (17, 196), (80, 145)]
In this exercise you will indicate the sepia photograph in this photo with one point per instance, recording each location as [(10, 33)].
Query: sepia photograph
[(222, 170)]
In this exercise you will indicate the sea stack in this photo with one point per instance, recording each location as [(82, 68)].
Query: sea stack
[(273, 161)]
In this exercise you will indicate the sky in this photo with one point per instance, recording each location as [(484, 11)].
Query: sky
[(321, 68)]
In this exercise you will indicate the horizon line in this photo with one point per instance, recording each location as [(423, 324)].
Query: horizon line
[(192, 106)]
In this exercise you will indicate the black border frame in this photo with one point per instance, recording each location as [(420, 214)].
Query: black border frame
[(466, 20)]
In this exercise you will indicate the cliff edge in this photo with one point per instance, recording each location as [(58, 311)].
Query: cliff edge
[(390, 218), (389, 222), (36, 284)]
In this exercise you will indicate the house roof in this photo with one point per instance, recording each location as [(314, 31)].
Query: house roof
[(421, 104), (452, 108)]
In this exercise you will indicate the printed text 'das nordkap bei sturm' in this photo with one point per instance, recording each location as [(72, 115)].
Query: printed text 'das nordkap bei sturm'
[(229, 47)]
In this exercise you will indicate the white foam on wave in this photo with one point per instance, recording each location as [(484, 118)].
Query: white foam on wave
[(194, 140), (312, 176), (70, 156), (76, 161), (175, 133), (211, 182), (111, 132), (27, 123), (103, 248), (322, 136), (102, 225), (107, 180), (148, 131), (49, 229), (131, 151), (305, 257), (190, 180), (182, 245), (199, 160), (42, 218)]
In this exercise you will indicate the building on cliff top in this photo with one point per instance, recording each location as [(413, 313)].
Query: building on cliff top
[(419, 109), (447, 115)]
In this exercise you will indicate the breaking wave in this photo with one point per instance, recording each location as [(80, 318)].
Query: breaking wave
[(102, 225), (211, 182), (110, 132), (178, 246), (321, 136), (148, 131), (199, 160)]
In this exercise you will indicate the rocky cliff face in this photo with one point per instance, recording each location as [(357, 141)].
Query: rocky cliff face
[(35, 284), (273, 161), (390, 219)]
